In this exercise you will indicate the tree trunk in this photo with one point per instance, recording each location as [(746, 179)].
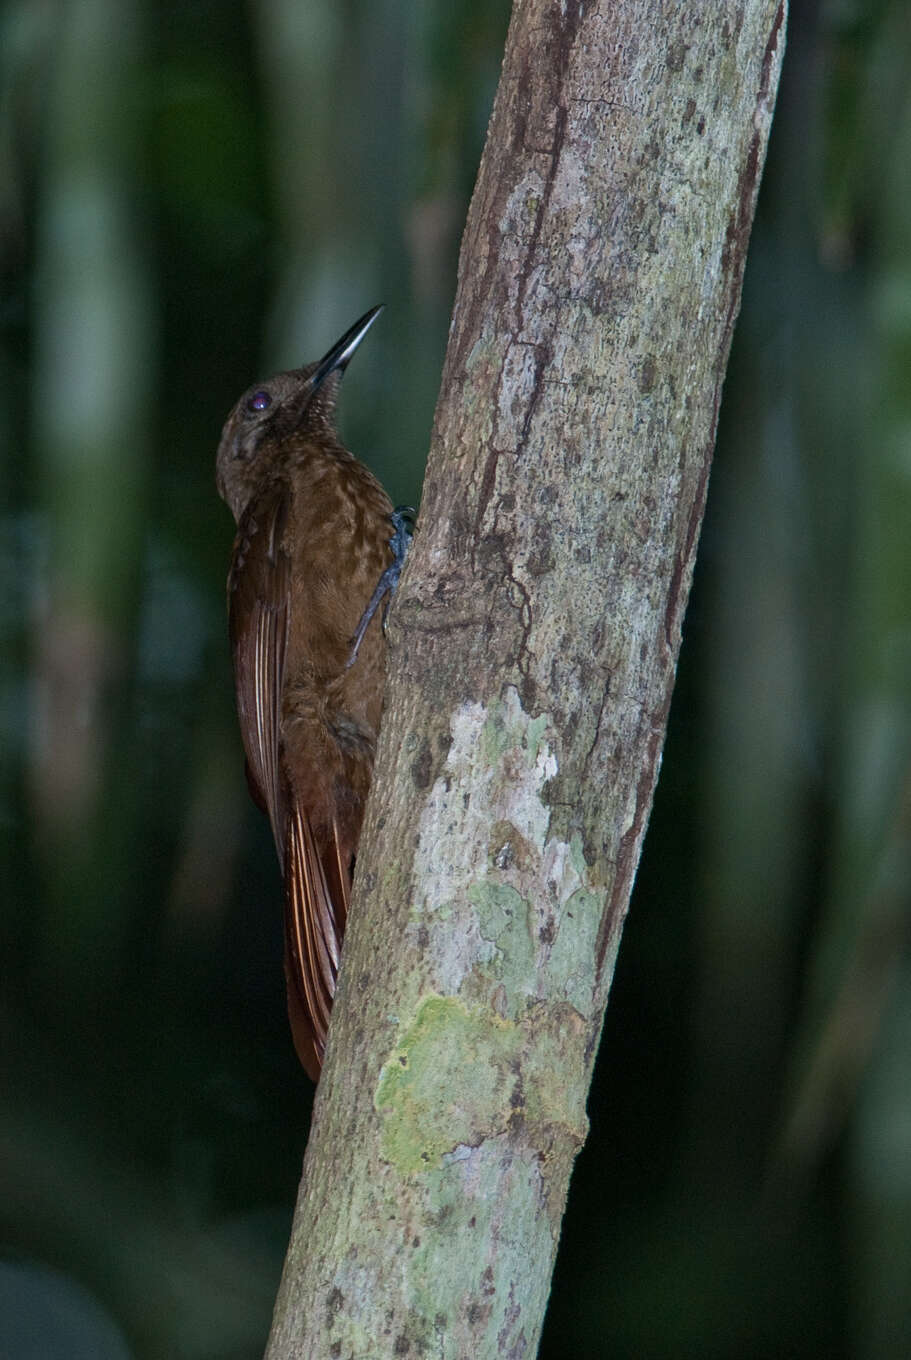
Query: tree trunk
[(534, 643)]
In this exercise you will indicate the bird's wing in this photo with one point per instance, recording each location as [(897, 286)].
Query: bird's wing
[(317, 880), (259, 604)]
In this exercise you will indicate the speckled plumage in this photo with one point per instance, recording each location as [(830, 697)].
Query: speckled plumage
[(313, 539)]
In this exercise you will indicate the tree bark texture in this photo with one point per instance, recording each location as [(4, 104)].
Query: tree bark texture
[(533, 650)]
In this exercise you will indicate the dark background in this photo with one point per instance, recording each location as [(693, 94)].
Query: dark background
[(192, 195)]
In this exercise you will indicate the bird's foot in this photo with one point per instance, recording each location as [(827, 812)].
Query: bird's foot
[(402, 520)]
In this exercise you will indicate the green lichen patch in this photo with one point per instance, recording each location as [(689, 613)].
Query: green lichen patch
[(577, 855), (500, 907), (504, 920), (446, 1083), (461, 1074), (570, 965), (508, 728)]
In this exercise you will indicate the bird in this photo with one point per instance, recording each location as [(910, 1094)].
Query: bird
[(318, 547)]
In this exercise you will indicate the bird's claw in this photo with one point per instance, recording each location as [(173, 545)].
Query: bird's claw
[(402, 520)]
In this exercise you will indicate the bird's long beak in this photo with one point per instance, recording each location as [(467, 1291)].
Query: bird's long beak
[(336, 361)]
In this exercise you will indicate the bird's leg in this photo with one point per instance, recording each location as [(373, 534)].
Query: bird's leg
[(402, 518)]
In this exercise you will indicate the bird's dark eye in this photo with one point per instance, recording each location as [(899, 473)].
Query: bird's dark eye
[(259, 401)]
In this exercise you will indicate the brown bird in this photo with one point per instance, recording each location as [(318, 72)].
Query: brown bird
[(318, 545)]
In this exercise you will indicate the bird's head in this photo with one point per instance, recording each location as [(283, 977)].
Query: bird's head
[(301, 401)]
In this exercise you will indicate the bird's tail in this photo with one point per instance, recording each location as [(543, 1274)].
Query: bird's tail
[(317, 891)]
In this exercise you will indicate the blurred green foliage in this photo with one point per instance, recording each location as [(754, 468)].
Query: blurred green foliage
[(193, 194)]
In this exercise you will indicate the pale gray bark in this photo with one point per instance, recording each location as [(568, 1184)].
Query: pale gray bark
[(533, 652)]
